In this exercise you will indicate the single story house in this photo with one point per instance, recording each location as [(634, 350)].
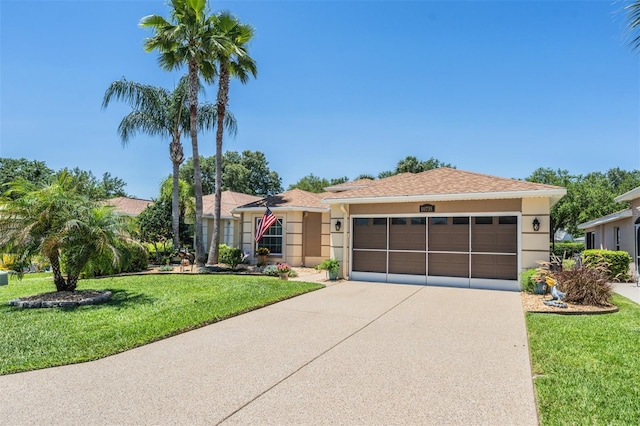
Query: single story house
[(229, 223), (128, 206), (619, 230), (440, 227)]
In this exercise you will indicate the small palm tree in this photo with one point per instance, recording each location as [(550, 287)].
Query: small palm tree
[(157, 111), (60, 224), (233, 60), (187, 39)]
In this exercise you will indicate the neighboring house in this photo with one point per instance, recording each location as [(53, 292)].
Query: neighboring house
[(229, 224), (128, 206), (439, 227), (617, 231)]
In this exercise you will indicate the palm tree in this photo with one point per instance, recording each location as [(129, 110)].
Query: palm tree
[(633, 14), (157, 111), (60, 224), (233, 61), (187, 39)]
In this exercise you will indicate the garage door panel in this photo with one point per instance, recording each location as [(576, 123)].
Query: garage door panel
[(370, 261), (448, 237), (448, 265), (370, 233), (407, 234), (408, 263), (494, 266)]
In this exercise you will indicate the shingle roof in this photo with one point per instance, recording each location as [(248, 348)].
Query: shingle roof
[(292, 199), (445, 183), (128, 206), (229, 201)]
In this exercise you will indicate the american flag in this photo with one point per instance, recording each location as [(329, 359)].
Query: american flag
[(267, 220)]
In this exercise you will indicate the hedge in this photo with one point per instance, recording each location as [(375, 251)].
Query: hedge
[(566, 250), (617, 262)]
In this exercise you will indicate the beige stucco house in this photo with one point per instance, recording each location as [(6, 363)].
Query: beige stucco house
[(230, 226), (617, 231), (440, 227)]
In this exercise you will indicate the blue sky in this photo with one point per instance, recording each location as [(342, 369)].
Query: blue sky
[(344, 87)]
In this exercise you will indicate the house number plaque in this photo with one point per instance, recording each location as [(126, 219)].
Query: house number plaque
[(427, 208)]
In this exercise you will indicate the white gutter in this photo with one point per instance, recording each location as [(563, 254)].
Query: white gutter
[(606, 219), (628, 196), (554, 194)]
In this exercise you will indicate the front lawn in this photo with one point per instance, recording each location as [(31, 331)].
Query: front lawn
[(587, 367), (143, 309)]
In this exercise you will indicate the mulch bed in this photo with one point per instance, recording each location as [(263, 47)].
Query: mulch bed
[(534, 303)]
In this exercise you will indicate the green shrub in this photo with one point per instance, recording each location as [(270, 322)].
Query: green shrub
[(230, 255), (566, 250), (132, 257), (587, 285), (526, 280), (271, 270), (617, 262)]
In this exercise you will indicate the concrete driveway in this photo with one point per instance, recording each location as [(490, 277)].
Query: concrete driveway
[(353, 353)]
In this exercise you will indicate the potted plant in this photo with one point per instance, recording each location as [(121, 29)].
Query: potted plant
[(283, 270), (332, 266), (262, 253)]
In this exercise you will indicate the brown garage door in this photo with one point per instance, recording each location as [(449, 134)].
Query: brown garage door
[(482, 247)]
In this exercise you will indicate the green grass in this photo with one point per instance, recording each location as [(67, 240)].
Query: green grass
[(143, 309), (587, 367)]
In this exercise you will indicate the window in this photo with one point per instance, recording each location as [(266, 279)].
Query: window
[(380, 221), (460, 220), (438, 220), (616, 236), (590, 240), (483, 220), (398, 221), (361, 221), (418, 220), (228, 233), (508, 220), (272, 239)]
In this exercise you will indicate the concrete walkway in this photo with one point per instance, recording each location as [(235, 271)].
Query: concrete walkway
[(353, 353), (628, 290)]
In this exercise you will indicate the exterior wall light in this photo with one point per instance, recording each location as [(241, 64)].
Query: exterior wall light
[(338, 225), (536, 224)]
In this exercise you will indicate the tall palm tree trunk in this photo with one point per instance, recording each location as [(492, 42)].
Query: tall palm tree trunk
[(221, 106), (197, 175), (177, 156)]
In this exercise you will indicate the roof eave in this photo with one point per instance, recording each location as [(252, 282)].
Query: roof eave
[(281, 209), (628, 196), (606, 219), (554, 194)]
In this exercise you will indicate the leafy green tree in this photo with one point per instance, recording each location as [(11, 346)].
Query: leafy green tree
[(411, 164), (155, 225), (233, 60), (315, 184), (85, 182), (187, 39), (247, 172), (60, 224), (365, 176), (33, 171), (159, 112), (588, 196)]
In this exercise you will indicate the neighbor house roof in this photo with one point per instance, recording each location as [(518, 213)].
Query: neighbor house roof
[(128, 206), (628, 196), (442, 184), (606, 219), (295, 199), (229, 200)]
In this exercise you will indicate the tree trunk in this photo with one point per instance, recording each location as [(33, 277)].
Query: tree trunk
[(177, 157), (221, 106), (58, 279), (197, 175)]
